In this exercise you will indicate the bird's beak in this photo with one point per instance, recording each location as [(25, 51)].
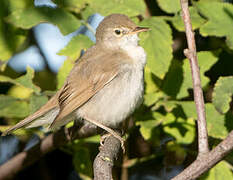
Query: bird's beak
[(139, 29)]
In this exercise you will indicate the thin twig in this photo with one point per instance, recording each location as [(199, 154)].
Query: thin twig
[(201, 165), (205, 159), (26, 158), (191, 54)]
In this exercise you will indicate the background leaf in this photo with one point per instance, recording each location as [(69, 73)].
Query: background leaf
[(218, 125), (197, 20), (222, 94), (206, 59), (219, 15), (158, 45), (219, 172), (25, 80), (169, 6), (13, 108), (129, 7), (73, 52), (30, 17), (36, 102)]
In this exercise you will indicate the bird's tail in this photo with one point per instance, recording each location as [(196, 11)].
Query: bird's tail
[(44, 116)]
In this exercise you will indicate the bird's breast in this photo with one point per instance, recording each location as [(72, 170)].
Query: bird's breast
[(117, 100)]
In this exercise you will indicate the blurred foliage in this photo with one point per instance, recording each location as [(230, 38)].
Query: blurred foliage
[(168, 115)]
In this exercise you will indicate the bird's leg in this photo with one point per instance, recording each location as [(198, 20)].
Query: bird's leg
[(109, 130)]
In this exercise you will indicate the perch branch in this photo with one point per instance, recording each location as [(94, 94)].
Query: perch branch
[(104, 161), (26, 158), (202, 164), (191, 54)]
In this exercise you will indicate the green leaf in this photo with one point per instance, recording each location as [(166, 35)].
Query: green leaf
[(196, 19), (16, 5), (173, 79), (151, 98), (206, 60), (72, 51), (63, 73), (169, 6), (25, 80), (128, 7), (36, 102), (219, 172), (149, 123), (13, 108), (74, 47), (216, 122), (11, 38), (71, 5), (150, 81), (183, 130), (222, 94), (30, 17), (220, 17), (82, 161), (158, 45)]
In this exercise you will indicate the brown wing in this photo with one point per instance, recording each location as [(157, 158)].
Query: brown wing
[(85, 80)]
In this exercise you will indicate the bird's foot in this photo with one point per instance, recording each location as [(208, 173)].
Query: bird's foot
[(103, 137), (109, 130)]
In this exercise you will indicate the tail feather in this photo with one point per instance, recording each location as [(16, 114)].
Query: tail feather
[(41, 114)]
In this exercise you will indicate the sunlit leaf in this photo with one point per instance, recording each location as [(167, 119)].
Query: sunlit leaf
[(206, 60), (146, 126), (150, 81), (71, 5), (63, 73), (183, 130), (218, 125), (220, 17), (25, 80), (128, 7), (169, 6), (11, 38), (73, 52), (158, 45), (30, 17), (196, 19), (222, 94), (220, 171), (13, 108), (74, 47), (20, 92)]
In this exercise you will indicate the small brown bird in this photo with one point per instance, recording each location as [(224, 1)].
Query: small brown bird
[(104, 86)]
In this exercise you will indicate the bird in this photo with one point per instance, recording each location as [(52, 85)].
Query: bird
[(105, 85)]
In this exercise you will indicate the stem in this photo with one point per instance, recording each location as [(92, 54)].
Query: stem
[(191, 54)]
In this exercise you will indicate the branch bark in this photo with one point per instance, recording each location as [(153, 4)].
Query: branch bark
[(191, 54), (204, 163), (26, 158), (205, 159), (104, 161)]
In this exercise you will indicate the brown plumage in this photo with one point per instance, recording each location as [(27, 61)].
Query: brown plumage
[(105, 84)]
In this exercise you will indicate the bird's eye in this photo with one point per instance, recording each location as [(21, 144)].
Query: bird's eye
[(118, 32)]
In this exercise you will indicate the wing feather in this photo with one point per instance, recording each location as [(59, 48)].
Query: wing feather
[(87, 78)]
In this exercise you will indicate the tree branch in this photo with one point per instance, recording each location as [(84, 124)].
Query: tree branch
[(205, 159), (191, 54), (26, 158), (104, 161), (202, 164)]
